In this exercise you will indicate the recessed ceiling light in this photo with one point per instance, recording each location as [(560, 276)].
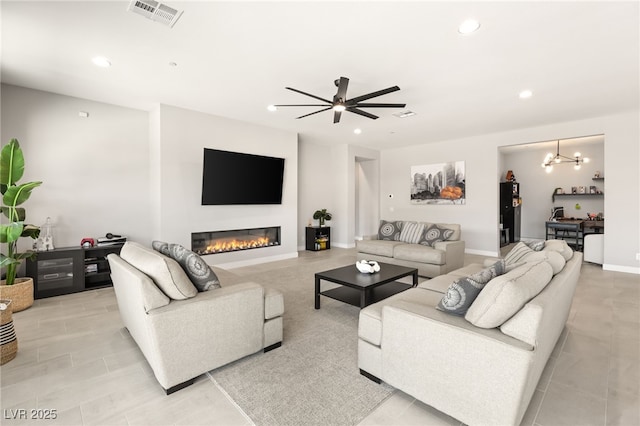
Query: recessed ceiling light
[(101, 61), (525, 94), (357, 131), (272, 108), (468, 26)]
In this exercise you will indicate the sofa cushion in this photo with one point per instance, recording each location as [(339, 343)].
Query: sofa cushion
[(463, 291), (389, 231), (435, 233), (370, 321), (164, 271), (199, 272), (523, 253), (378, 247), (411, 232), (273, 303), (161, 247), (505, 295), (419, 253), (560, 246)]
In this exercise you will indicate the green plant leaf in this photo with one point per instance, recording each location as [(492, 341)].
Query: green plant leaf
[(11, 163), (22, 214), (6, 261), (26, 255), (10, 232), (18, 194), (30, 231)]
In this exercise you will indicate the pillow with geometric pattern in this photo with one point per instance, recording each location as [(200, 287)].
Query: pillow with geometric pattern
[(434, 234), (199, 272), (389, 231), (463, 291)]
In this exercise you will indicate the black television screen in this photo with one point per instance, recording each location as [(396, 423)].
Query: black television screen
[(237, 178)]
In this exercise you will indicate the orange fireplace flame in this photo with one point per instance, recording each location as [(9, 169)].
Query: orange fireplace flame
[(234, 244)]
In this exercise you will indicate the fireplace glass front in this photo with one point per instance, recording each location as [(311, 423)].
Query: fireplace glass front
[(213, 242)]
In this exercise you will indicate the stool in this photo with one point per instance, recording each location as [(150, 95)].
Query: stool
[(504, 236)]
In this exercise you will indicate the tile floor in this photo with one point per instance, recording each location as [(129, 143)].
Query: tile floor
[(76, 358)]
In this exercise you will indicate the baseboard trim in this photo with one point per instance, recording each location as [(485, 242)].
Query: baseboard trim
[(618, 268)]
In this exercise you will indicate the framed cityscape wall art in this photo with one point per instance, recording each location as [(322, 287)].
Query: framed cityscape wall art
[(440, 183)]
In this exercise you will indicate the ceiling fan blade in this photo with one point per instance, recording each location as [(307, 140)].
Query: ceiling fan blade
[(374, 105), (374, 94), (302, 105), (315, 112), (336, 116), (308, 94), (341, 95), (360, 112)]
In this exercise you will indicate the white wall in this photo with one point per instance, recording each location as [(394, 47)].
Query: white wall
[(479, 217), (182, 137), (139, 173), (316, 183), (536, 185), (95, 169)]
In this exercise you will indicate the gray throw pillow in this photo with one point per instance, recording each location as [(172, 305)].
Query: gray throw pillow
[(435, 233), (463, 291), (389, 231), (199, 272), (160, 246), (535, 245)]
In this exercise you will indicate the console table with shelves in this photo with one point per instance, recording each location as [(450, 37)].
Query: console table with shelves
[(70, 269), (318, 238)]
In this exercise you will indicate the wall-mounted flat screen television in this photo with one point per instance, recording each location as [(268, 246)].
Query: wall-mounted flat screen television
[(238, 178)]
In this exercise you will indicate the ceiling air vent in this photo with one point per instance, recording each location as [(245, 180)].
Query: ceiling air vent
[(155, 11)]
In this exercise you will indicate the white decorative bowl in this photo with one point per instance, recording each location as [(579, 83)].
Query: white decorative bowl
[(367, 266)]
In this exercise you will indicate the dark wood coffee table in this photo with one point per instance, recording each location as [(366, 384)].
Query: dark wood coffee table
[(360, 289)]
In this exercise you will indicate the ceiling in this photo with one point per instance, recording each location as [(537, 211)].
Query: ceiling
[(580, 59)]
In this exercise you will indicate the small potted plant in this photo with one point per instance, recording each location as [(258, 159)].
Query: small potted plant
[(20, 290), (321, 216)]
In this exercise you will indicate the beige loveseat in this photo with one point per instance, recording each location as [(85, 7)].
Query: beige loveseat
[(183, 332), (394, 244), (479, 375)]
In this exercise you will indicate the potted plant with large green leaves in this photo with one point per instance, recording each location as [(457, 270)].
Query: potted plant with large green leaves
[(19, 290), (321, 216)]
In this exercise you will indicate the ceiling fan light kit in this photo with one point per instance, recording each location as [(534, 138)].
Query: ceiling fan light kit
[(340, 103), (576, 160)]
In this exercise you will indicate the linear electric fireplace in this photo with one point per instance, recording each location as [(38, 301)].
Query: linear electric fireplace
[(213, 242)]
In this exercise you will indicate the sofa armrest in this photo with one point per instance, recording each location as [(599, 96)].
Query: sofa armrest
[(222, 325), (454, 254), (453, 366)]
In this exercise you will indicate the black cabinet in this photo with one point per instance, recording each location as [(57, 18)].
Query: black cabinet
[(318, 238), (70, 270), (510, 206)]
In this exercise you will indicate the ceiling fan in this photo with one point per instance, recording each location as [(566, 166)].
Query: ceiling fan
[(340, 102)]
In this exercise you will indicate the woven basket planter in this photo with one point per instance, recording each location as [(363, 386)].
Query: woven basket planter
[(8, 339), (20, 293)]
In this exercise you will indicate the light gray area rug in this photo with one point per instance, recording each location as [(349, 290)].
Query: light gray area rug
[(313, 379)]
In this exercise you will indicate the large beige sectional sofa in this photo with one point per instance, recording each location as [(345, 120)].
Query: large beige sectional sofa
[(184, 332), (442, 254), (481, 368)]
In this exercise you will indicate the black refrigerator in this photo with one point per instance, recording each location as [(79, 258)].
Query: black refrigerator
[(510, 209)]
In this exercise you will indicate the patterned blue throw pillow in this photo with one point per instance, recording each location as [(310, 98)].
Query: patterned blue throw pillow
[(199, 272), (389, 231), (463, 291)]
